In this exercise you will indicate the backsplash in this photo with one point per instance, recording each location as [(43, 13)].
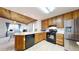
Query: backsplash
[(60, 30)]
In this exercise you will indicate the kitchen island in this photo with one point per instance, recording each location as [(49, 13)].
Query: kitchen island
[(26, 40)]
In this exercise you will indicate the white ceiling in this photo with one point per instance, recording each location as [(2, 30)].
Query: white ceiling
[(36, 13)]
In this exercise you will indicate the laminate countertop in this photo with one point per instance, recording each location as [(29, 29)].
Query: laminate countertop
[(26, 33)]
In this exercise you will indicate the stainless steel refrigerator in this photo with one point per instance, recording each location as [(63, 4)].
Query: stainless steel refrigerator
[(71, 29)]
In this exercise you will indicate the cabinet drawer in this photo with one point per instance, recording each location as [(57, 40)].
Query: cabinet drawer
[(59, 42), (59, 36)]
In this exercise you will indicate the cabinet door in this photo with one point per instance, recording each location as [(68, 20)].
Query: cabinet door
[(60, 39), (50, 22), (19, 42), (75, 14), (40, 36), (54, 21), (68, 16), (78, 13), (43, 36), (60, 22), (44, 24), (37, 37)]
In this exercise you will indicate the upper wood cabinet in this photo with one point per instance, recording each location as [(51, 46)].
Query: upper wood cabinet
[(21, 18), (50, 22), (45, 24), (5, 13), (60, 22), (54, 21), (75, 14), (68, 16), (78, 13), (14, 16)]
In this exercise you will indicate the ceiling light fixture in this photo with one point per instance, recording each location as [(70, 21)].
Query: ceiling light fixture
[(47, 9)]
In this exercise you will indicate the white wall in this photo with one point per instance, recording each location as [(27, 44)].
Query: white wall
[(37, 26), (34, 27)]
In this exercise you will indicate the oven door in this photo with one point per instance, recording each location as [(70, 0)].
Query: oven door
[(51, 38)]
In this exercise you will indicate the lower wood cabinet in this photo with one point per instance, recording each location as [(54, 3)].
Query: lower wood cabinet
[(19, 42), (23, 42), (60, 39), (37, 37), (43, 35), (40, 36)]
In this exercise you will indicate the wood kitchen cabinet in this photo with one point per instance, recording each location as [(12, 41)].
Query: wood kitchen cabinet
[(45, 24), (37, 37), (50, 22), (68, 16), (19, 42), (60, 22), (43, 35), (76, 14), (5, 13), (40, 36), (54, 20), (60, 39)]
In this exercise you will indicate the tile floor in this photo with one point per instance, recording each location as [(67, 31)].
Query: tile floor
[(41, 46), (46, 46), (6, 44)]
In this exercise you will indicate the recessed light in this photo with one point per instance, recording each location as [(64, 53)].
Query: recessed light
[(47, 9)]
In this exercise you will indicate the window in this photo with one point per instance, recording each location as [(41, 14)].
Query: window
[(14, 27)]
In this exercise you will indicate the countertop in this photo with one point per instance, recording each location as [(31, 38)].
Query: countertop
[(26, 33), (59, 31)]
